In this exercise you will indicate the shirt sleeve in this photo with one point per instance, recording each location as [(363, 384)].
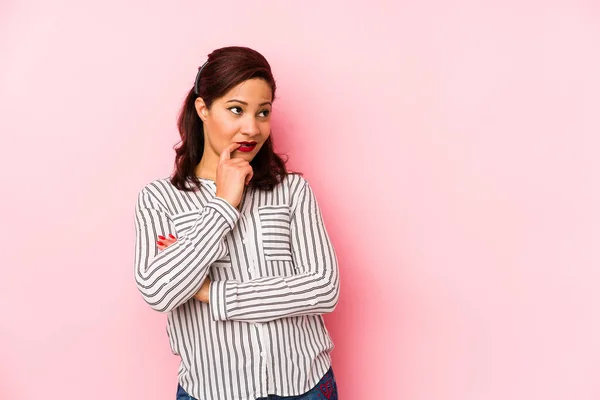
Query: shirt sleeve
[(169, 278), (315, 290)]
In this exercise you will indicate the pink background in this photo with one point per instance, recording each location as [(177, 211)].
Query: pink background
[(453, 147)]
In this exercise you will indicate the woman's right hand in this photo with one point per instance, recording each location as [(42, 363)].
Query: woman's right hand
[(233, 174)]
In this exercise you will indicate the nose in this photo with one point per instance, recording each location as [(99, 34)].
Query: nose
[(250, 126)]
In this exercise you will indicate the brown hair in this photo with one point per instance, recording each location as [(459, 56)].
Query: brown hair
[(226, 67)]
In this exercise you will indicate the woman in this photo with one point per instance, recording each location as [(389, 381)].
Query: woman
[(234, 249)]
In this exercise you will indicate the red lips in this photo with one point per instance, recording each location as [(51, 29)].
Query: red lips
[(247, 147)]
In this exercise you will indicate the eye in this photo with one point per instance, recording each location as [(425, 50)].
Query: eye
[(236, 110), (264, 113)]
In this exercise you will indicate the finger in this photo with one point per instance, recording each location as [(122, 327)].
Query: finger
[(241, 165), (226, 153), (249, 176), (168, 242)]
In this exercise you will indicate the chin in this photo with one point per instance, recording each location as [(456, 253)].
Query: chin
[(245, 156), (248, 156)]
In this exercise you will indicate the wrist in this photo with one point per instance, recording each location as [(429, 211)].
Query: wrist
[(218, 195)]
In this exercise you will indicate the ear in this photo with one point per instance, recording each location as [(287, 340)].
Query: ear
[(201, 108)]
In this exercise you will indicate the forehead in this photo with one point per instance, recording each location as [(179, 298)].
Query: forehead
[(254, 90)]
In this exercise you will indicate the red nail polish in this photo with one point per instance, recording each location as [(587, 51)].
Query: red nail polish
[(171, 236), (160, 243), (162, 237)]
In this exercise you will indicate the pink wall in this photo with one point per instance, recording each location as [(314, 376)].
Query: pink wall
[(453, 148)]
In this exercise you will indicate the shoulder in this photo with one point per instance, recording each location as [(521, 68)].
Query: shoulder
[(293, 186), (294, 182), (299, 191), (156, 192)]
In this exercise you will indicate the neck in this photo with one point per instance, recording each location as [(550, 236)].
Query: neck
[(207, 167)]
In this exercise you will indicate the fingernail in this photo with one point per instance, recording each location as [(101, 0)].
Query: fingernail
[(160, 243), (171, 236), (162, 237)]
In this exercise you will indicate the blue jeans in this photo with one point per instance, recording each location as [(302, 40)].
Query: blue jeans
[(326, 389)]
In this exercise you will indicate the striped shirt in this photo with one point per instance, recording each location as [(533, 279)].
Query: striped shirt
[(273, 272)]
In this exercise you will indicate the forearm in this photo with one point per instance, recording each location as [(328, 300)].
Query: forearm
[(174, 275), (267, 299)]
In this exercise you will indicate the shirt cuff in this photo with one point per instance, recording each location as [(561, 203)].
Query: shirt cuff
[(217, 300), (222, 206)]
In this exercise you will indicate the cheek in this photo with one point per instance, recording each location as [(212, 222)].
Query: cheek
[(265, 129), (222, 129)]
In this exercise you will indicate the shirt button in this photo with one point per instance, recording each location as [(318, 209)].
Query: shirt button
[(263, 354), (313, 302)]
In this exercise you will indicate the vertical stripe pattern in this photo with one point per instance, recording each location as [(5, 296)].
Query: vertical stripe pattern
[(273, 272)]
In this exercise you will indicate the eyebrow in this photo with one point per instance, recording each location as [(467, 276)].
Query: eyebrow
[(244, 103)]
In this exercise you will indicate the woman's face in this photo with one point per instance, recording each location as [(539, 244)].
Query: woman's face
[(242, 115)]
